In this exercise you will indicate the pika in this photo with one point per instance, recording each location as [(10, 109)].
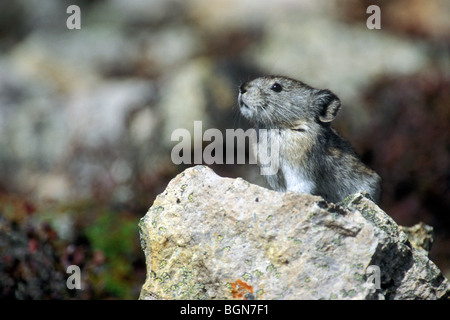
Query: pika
[(313, 157)]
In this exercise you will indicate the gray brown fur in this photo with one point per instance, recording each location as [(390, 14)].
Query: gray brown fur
[(314, 158)]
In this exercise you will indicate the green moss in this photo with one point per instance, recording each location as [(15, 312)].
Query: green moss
[(270, 268), (246, 276), (295, 240), (257, 273), (350, 293), (184, 289), (187, 275), (311, 215), (116, 236), (359, 277), (358, 266), (337, 241), (229, 286), (175, 287), (162, 230), (346, 201), (322, 266)]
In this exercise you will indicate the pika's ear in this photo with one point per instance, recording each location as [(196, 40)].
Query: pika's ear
[(328, 105)]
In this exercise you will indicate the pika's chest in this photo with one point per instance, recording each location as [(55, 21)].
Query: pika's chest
[(296, 179), (288, 151)]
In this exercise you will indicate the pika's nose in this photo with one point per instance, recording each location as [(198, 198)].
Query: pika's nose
[(243, 88)]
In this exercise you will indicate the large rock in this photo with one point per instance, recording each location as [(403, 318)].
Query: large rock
[(207, 237)]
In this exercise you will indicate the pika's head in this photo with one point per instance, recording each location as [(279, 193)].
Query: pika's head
[(281, 102)]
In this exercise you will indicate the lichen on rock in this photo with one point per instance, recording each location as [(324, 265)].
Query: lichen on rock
[(207, 237)]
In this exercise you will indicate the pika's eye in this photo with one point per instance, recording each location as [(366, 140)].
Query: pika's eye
[(276, 87)]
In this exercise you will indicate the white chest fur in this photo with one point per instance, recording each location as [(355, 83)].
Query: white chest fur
[(296, 180)]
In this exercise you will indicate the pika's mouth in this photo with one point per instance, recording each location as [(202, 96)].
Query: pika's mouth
[(244, 108), (241, 102)]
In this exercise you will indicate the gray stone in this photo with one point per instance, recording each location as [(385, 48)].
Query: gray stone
[(207, 237), (294, 48), (421, 236), (187, 96)]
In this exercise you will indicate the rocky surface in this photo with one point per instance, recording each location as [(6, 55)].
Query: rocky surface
[(207, 237)]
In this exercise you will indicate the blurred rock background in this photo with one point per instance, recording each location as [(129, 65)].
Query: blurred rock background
[(86, 116)]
